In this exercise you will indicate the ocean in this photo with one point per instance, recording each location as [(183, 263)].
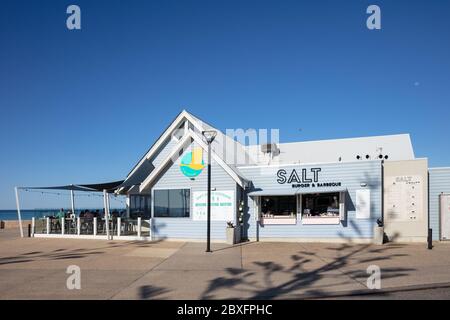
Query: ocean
[(37, 213)]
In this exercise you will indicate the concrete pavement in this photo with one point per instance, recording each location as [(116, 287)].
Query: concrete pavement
[(36, 269)]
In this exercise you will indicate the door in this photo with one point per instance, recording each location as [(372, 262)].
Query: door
[(445, 216)]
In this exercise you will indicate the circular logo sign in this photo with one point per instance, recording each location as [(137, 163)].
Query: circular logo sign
[(192, 164)]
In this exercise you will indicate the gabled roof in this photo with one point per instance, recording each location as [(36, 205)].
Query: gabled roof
[(221, 146), (230, 150), (165, 135), (175, 152)]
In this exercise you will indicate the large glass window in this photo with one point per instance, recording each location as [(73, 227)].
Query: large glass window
[(173, 203), (320, 205), (272, 206), (140, 206)]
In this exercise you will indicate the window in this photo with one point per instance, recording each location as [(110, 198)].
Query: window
[(140, 206), (278, 206), (320, 205), (172, 203)]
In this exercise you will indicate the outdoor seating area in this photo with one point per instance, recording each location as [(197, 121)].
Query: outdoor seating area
[(95, 227)]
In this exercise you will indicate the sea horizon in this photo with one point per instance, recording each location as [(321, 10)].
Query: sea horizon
[(28, 214)]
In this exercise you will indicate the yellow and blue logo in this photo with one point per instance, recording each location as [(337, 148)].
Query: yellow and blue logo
[(192, 163)]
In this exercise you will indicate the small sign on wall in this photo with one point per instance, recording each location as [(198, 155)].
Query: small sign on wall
[(363, 204), (405, 196), (222, 205)]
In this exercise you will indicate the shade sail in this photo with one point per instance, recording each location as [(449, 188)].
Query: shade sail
[(93, 187), (294, 191)]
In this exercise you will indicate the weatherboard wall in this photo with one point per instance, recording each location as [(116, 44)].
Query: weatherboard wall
[(163, 151), (187, 228), (439, 182), (351, 175)]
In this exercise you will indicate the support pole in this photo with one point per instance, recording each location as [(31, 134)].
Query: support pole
[(150, 223), (19, 216), (33, 226), (95, 226), (128, 206), (139, 222), (106, 205), (72, 201), (78, 226), (208, 217)]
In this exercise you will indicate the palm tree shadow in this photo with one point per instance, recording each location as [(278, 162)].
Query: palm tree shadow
[(149, 292), (293, 279)]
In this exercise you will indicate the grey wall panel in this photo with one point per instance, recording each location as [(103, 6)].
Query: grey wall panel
[(439, 182)]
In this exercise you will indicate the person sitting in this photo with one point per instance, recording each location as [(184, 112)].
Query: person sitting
[(88, 215), (60, 214)]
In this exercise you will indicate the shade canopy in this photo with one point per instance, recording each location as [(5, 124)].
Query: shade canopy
[(93, 187)]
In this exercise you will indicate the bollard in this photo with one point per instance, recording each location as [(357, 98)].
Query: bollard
[(430, 239), (29, 230)]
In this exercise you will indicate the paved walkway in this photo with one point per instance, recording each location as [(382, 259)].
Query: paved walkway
[(36, 269)]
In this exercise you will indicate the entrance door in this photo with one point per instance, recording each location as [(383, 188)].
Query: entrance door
[(445, 216)]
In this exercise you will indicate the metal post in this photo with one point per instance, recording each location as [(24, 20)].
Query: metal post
[(63, 225), (150, 223), (208, 217), (139, 226), (95, 226), (430, 231), (128, 206), (110, 236), (48, 225), (119, 223), (33, 226), (430, 239), (78, 226), (18, 211), (106, 204), (72, 201)]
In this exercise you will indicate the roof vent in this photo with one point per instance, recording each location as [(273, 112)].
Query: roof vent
[(270, 148)]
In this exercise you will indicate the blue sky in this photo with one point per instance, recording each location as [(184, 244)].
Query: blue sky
[(83, 106)]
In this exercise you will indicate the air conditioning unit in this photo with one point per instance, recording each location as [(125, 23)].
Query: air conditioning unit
[(270, 148)]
